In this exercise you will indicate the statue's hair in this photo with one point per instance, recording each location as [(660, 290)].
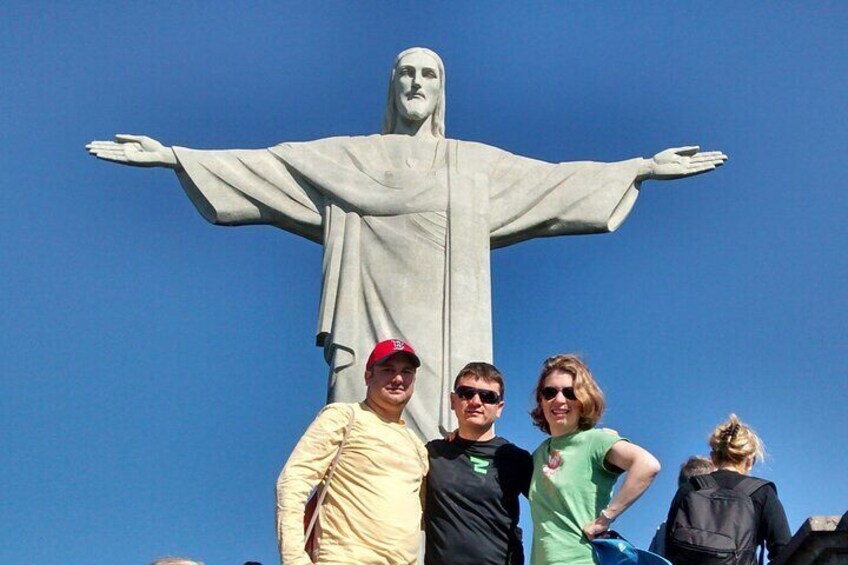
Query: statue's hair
[(695, 465), (733, 442), (585, 388), (391, 115), (483, 371), (176, 561)]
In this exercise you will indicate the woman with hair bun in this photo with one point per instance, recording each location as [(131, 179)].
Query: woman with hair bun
[(575, 469), (746, 508)]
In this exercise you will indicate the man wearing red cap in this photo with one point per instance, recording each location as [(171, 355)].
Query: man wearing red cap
[(371, 512)]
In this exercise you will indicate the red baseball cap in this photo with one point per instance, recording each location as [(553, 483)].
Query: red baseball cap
[(389, 347)]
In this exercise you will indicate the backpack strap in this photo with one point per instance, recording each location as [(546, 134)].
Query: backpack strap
[(703, 481), (750, 485)]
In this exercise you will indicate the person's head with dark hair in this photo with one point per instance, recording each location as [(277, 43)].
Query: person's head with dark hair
[(478, 370), (477, 400), (390, 377), (695, 465)]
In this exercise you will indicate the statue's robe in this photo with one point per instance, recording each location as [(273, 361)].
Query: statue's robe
[(406, 227)]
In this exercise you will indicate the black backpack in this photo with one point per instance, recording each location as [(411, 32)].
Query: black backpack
[(716, 525)]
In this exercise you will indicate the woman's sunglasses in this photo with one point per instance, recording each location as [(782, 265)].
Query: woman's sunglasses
[(486, 396), (550, 392)]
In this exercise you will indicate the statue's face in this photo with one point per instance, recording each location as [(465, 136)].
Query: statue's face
[(417, 86)]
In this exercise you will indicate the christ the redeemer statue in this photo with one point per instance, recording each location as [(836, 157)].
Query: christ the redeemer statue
[(406, 219)]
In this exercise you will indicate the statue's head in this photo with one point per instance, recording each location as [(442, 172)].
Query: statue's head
[(416, 90)]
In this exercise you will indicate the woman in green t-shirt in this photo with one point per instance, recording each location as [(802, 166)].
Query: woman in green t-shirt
[(575, 469)]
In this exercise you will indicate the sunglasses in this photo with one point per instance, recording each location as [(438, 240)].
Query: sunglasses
[(486, 396), (550, 392)]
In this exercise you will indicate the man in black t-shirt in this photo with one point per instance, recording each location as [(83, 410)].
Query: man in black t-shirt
[(471, 513)]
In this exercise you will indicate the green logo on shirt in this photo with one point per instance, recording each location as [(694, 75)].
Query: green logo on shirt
[(479, 464)]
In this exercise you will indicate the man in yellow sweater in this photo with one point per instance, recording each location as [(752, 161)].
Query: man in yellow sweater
[(371, 513)]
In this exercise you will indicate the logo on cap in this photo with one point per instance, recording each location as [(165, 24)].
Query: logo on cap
[(389, 347)]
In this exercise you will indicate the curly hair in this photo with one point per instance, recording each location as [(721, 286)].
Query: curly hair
[(733, 442), (585, 388)]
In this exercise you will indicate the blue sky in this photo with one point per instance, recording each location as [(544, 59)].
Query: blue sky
[(156, 370)]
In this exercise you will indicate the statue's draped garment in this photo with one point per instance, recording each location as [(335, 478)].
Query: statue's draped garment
[(406, 226)]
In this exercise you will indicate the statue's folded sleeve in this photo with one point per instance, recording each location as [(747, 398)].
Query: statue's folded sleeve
[(530, 198), (240, 187)]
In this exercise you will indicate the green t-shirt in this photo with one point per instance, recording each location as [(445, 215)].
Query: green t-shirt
[(571, 485)]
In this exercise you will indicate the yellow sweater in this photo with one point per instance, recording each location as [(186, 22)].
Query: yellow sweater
[(372, 511)]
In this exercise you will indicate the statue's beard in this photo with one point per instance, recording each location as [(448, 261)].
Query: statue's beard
[(415, 110)]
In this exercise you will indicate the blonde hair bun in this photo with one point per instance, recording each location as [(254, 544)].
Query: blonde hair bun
[(733, 442)]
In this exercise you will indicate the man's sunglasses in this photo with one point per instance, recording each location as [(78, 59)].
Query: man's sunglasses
[(486, 396), (550, 392)]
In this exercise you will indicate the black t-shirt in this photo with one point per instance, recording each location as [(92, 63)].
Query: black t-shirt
[(471, 513), (773, 527)]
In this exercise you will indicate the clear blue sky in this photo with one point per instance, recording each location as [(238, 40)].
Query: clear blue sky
[(157, 370)]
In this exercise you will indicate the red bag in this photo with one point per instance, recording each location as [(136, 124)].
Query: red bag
[(311, 535)]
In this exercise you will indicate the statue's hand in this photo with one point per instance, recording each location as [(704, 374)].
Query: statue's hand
[(679, 162), (135, 150)]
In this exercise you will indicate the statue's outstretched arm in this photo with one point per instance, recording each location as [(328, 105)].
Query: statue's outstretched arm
[(135, 150), (679, 162)]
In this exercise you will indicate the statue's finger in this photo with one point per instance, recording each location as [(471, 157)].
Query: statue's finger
[(709, 158), (117, 149), (102, 145), (687, 150), (711, 155), (699, 168), (111, 157), (125, 137), (706, 159)]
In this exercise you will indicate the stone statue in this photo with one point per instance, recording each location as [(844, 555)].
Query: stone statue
[(406, 220)]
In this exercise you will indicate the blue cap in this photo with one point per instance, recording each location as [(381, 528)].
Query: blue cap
[(619, 551)]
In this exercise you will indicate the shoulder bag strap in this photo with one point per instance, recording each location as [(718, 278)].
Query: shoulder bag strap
[(329, 476)]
